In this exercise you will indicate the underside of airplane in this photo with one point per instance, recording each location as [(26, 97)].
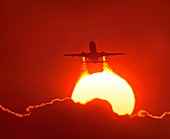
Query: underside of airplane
[(93, 56)]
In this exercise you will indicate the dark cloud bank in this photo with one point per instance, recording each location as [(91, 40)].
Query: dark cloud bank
[(94, 120)]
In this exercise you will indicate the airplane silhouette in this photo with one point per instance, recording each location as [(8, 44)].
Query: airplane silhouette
[(93, 55)]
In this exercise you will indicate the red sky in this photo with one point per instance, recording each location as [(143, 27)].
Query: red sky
[(34, 35)]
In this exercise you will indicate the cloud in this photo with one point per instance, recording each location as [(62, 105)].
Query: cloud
[(143, 113), (66, 119)]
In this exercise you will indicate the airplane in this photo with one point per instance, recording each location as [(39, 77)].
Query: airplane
[(93, 55)]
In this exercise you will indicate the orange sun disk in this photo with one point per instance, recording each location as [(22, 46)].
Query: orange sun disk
[(108, 86)]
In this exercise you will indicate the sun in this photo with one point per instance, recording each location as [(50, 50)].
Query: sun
[(108, 86)]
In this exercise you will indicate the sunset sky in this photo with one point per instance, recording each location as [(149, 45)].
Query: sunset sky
[(34, 35)]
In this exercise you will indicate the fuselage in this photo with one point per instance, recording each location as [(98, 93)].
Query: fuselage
[(93, 52)]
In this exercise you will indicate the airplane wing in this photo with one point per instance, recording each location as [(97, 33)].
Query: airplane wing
[(110, 54), (78, 55)]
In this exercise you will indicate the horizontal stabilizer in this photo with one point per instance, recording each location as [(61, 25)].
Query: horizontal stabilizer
[(96, 62)]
